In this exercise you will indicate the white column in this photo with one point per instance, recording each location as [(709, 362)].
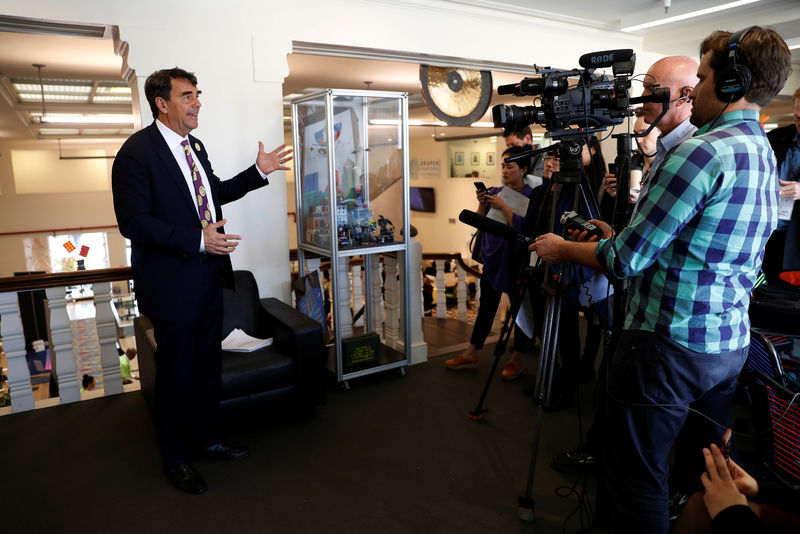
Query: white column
[(107, 336), (19, 377), (419, 349), (461, 292), (358, 293), (392, 297), (441, 289), (342, 300), (61, 355)]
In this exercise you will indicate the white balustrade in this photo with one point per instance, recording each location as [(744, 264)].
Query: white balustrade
[(461, 292), (19, 378), (392, 296), (376, 295), (441, 290), (342, 300), (61, 357), (107, 336), (358, 293)]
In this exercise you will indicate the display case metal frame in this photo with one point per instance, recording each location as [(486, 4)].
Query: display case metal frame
[(371, 252)]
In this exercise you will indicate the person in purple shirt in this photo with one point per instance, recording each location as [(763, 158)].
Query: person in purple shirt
[(501, 262)]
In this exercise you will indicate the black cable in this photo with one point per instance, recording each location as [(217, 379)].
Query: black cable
[(701, 414)]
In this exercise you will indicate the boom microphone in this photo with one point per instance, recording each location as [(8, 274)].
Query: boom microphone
[(607, 58), (490, 226)]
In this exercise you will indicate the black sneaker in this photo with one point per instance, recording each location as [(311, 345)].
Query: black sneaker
[(574, 461)]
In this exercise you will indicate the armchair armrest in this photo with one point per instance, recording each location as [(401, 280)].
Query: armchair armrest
[(299, 336)]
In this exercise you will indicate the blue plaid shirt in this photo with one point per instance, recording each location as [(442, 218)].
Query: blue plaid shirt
[(695, 246)]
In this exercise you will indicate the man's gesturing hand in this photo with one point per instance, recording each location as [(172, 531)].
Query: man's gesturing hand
[(217, 243), (273, 161)]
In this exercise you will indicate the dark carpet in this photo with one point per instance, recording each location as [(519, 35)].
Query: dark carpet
[(394, 454)]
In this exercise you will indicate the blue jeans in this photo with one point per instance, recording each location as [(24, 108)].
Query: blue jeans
[(652, 380)]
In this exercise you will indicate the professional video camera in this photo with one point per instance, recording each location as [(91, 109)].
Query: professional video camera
[(596, 102)]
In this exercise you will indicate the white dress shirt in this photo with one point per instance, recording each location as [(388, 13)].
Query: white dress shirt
[(174, 143)]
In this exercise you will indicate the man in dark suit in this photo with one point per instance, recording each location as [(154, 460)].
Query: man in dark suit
[(168, 203), (783, 249)]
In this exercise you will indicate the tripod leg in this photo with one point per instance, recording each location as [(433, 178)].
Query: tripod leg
[(499, 349), (526, 505)]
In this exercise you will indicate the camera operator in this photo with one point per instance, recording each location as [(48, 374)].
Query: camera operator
[(692, 252)]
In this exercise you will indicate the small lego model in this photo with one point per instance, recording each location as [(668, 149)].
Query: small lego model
[(344, 235), (386, 233)]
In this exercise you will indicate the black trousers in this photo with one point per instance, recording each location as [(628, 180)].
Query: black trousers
[(487, 308), (187, 386)]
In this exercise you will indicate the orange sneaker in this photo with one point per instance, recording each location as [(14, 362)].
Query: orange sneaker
[(461, 362), (513, 369)]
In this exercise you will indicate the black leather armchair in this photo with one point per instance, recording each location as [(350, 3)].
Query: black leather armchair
[(289, 374)]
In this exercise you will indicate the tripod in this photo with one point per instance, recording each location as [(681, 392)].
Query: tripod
[(571, 175)]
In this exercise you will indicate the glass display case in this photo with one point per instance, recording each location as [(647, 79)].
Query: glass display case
[(351, 179)]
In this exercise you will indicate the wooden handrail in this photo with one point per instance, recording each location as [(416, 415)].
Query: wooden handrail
[(452, 256), (42, 281)]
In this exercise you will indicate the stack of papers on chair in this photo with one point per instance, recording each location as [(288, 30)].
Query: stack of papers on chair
[(238, 341)]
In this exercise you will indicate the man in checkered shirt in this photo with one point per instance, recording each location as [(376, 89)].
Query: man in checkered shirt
[(692, 253)]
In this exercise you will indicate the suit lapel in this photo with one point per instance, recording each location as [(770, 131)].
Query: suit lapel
[(173, 171)]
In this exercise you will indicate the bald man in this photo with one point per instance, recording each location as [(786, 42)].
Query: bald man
[(679, 73)]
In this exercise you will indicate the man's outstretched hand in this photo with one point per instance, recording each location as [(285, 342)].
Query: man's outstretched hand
[(273, 161), (217, 243)]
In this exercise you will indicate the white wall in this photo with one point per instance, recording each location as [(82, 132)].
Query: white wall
[(238, 50)]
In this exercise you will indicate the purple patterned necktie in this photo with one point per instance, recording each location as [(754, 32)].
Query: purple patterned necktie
[(199, 190)]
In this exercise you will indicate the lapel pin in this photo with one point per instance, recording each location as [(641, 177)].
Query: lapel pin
[(197, 146)]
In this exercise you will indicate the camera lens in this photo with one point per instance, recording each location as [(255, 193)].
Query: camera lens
[(516, 117)]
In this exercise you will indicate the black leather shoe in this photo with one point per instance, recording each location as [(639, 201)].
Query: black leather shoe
[(185, 478), (222, 451)]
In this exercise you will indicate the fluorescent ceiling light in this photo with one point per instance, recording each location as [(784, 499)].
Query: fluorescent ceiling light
[(416, 122), (691, 14), (87, 119)]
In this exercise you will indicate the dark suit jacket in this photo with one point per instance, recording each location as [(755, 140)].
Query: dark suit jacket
[(157, 212), (780, 139)]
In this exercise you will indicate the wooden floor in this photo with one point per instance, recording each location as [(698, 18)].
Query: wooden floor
[(444, 336)]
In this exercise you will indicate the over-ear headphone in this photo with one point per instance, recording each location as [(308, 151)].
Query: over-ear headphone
[(733, 80)]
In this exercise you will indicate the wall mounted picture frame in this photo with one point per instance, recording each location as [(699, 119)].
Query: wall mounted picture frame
[(459, 158), (476, 158), (490, 158)]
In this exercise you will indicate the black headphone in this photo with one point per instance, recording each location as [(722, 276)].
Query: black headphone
[(733, 80)]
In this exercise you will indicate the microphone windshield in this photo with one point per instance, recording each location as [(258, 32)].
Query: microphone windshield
[(490, 226), (607, 58)]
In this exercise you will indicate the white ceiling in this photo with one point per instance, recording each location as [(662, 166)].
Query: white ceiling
[(95, 58)]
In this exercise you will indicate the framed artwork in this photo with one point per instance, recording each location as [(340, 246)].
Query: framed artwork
[(459, 158), (490, 158), (476, 158)]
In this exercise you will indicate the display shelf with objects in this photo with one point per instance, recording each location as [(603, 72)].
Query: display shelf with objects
[(351, 180)]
